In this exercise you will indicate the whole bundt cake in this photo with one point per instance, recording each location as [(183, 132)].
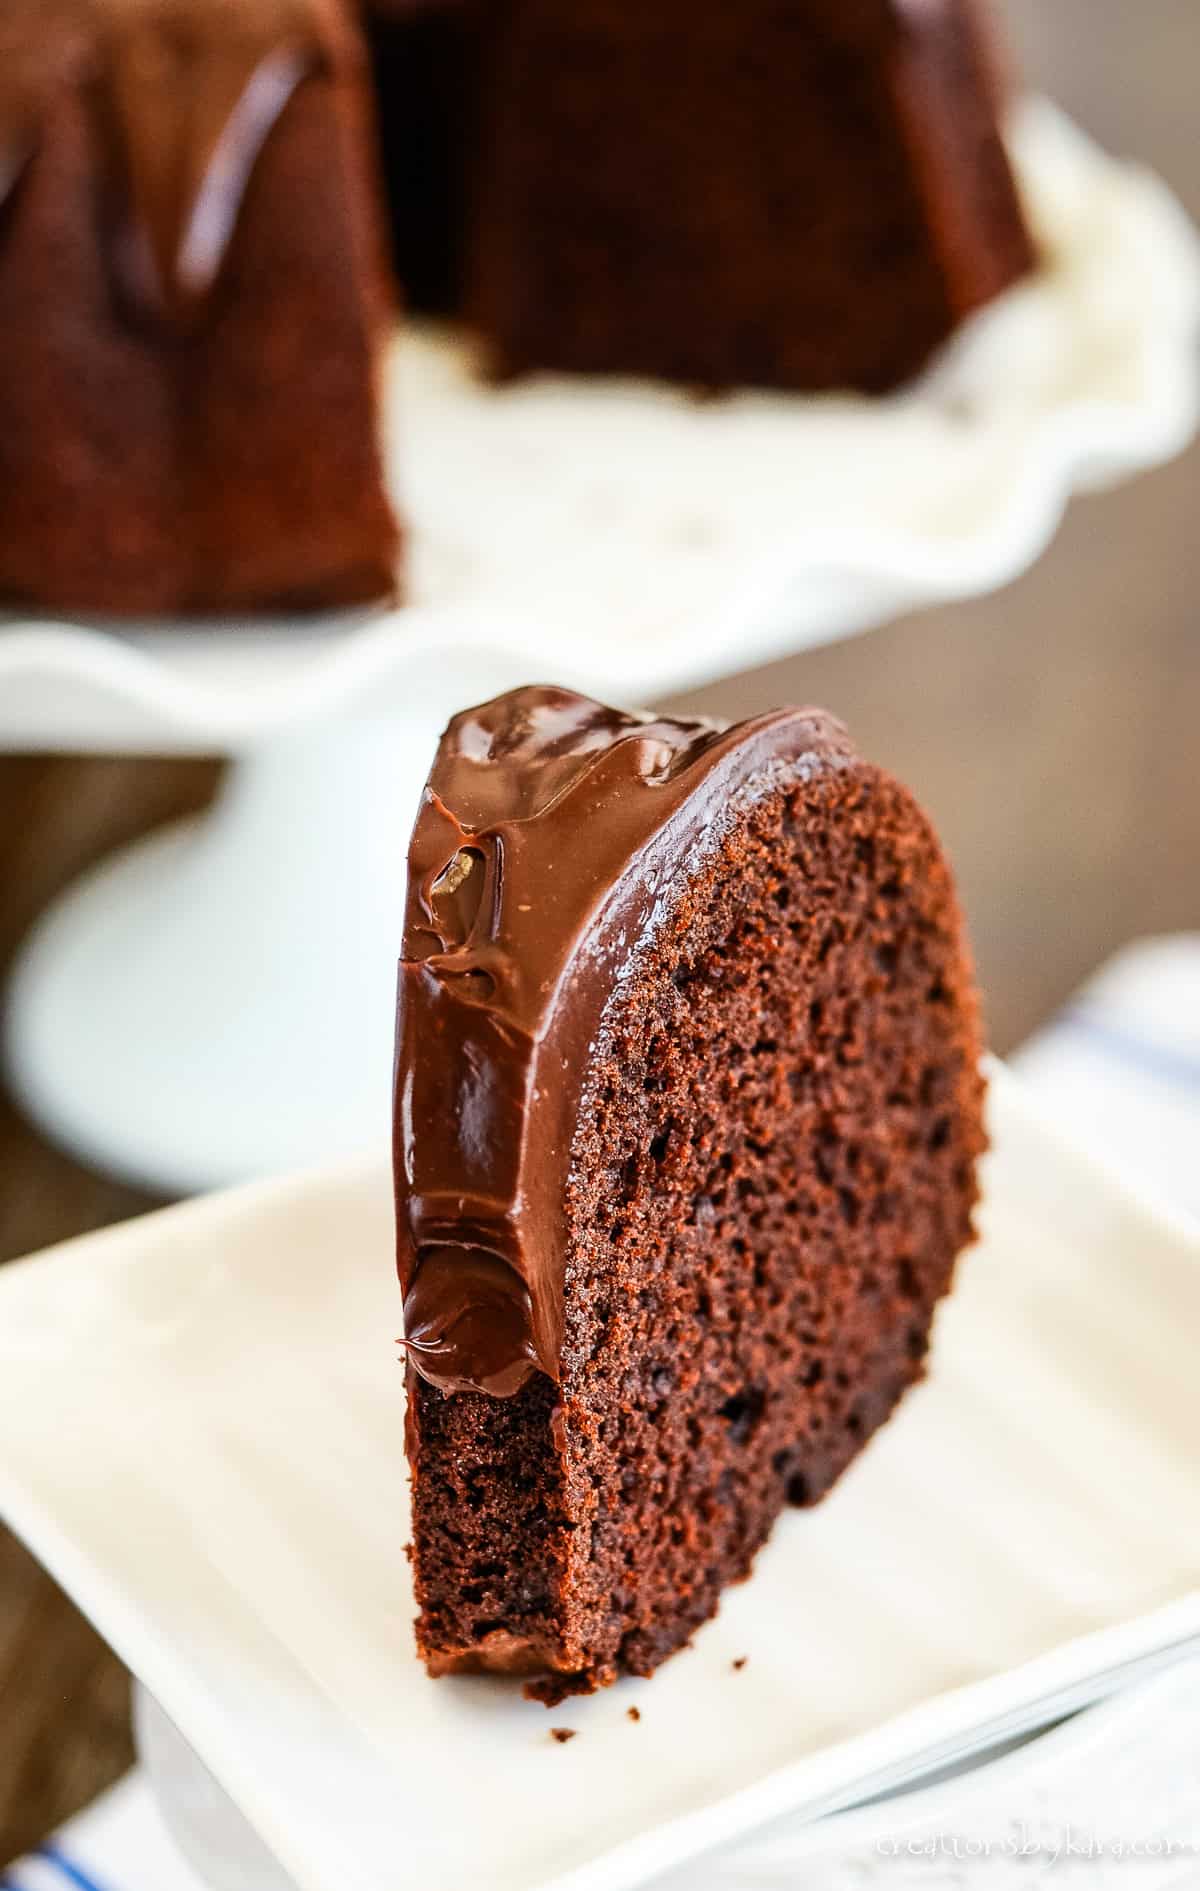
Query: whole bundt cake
[(687, 1115), (804, 195), (192, 300)]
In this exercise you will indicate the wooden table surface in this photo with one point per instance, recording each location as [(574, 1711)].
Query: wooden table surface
[(1052, 731)]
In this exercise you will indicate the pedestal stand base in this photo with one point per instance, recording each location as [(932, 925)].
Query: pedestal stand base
[(215, 1003)]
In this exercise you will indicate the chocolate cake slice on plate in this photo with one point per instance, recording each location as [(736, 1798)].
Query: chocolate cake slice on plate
[(687, 1117)]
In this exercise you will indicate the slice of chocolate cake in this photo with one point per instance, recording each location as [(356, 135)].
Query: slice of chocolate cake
[(687, 1114)]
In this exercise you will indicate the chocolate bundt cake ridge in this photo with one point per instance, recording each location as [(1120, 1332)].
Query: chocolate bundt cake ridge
[(185, 93), (807, 197), (194, 301)]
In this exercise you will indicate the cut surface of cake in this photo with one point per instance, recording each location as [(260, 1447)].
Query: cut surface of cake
[(193, 297), (810, 195), (688, 1109)]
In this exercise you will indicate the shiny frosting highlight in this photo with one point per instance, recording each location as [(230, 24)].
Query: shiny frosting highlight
[(552, 836), (182, 96)]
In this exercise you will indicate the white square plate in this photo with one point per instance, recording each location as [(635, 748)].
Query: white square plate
[(201, 1422)]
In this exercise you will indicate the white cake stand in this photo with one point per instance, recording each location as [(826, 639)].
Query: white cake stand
[(214, 1002)]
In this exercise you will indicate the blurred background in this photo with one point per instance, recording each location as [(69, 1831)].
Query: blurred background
[(1052, 731)]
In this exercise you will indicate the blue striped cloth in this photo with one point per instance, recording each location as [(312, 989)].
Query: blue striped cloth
[(1120, 1070), (119, 1844)]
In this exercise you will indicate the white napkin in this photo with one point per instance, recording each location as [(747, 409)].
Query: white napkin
[(1121, 1067)]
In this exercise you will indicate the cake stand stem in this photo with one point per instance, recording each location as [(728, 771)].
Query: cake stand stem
[(216, 1002)]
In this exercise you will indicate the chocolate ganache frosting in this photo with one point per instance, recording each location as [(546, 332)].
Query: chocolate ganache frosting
[(182, 95), (552, 836)]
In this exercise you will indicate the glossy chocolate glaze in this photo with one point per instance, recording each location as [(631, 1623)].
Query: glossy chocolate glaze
[(553, 835), (183, 94)]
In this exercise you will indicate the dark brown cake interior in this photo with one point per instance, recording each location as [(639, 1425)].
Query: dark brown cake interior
[(772, 1174)]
